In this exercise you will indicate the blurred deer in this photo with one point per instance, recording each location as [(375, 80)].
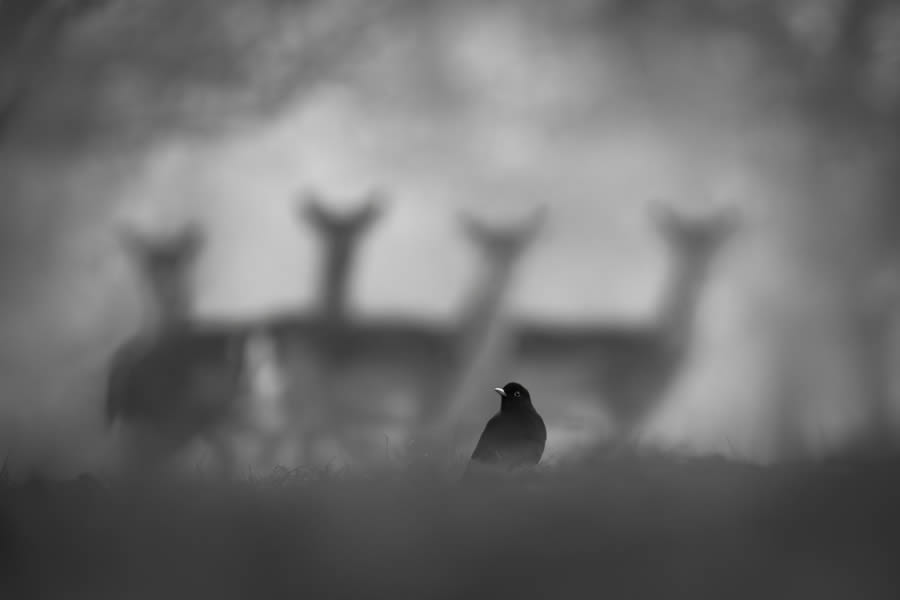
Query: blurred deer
[(319, 346), (631, 367), (486, 338), (176, 380), (639, 367)]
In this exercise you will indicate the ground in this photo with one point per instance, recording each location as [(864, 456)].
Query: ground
[(616, 526)]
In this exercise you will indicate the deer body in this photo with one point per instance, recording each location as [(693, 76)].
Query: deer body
[(180, 383)]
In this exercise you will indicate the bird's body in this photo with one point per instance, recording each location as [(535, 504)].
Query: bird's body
[(515, 436)]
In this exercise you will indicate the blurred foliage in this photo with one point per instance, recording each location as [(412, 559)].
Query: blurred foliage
[(135, 69), (127, 72), (82, 76)]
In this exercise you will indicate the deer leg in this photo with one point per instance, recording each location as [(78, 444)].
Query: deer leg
[(149, 455), (225, 455), (269, 454), (270, 447)]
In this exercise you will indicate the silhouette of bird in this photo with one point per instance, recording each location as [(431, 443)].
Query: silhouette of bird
[(515, 436)]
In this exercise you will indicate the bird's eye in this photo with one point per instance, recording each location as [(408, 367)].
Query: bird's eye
[(516, 394)]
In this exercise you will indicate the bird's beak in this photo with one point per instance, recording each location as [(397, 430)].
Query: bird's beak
[(501, 392)]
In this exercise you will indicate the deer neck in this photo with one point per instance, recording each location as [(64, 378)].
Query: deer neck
[(338, 268), (681, 298), (168, 311), (487, 299), (480, 339)]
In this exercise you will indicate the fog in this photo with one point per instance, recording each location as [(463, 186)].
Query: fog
[(142, 115)]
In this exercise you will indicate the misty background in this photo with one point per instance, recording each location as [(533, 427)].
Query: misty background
[(131, 111)]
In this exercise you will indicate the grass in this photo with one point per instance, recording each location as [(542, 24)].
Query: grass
[(616, 526)]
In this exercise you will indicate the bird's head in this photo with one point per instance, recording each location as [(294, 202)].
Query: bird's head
[(513, 395)]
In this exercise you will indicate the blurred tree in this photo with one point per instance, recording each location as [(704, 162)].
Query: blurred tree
[(31, 32), (138, 69)]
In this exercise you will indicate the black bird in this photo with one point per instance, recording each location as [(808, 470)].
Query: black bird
[(515, 436)]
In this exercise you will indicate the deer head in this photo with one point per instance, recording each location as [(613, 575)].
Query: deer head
[(503, 245), (163, 263), (695, 238), (347, 226)]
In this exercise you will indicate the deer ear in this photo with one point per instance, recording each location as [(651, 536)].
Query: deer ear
[(375, 201), (664, 217), (373, 206), (536, 221), (473, 228), (728, 219), (133, 240), (309, 207), (189, 240)]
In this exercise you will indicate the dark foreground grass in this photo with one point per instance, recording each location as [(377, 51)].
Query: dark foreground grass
[(622, 527)]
